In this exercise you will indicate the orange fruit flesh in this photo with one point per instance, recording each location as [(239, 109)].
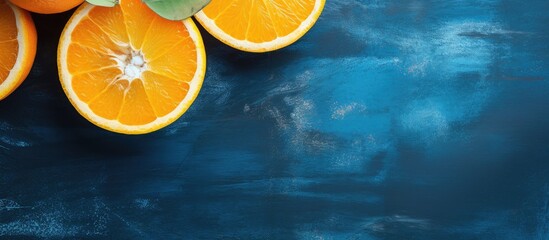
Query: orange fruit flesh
[(262, 20), (17, 47), (259, 26), (129, 65), (9, 45), (47, 6)]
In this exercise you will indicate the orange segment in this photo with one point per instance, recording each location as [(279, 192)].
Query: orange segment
[(267, 30), (90, 84), (107, 103), (7, 23), (90, 35), (17, 47), (8, 54), (259, 25), (128, 70), (86, 59), (288, 15), (162, 28), (235, 18), (138, 21), (170, 64), (163, 91), (215, 9), (136, 108), (111, 22)]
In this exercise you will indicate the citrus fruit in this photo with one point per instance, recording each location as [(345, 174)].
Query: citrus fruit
[(17, 47), (262, 25), (47, 6), (128, 70)]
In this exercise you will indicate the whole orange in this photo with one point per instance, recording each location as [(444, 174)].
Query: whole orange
[(47, 6)]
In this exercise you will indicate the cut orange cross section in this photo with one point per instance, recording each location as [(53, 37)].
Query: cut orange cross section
[(17, 47), (259, 25), (128, 70), (47, 6)]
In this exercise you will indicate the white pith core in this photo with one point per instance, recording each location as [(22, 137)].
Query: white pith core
[(132, 64)]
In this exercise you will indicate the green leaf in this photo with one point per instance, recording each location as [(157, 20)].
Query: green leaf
[(176, 9), (103, 3)]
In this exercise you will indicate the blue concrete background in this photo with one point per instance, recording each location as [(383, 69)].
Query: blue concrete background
[(388, 120)]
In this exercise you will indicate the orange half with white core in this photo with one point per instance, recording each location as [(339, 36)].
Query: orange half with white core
[(128, 70)]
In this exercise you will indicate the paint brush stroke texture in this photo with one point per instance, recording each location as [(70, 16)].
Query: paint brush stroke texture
[(389, 120)]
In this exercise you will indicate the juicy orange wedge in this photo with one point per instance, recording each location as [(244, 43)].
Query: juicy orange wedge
[(128, 70), (259, 25), (17, 47)]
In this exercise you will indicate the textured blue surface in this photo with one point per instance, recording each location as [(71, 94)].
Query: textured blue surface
[(388, 120)]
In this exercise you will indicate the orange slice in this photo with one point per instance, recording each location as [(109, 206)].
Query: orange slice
[(259, 25), (17, 47), (128, 70), (47, 6)]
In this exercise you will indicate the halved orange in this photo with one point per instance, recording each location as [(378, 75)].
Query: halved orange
[(128, 70), (17, 47), (259, 25), (47, 6)]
